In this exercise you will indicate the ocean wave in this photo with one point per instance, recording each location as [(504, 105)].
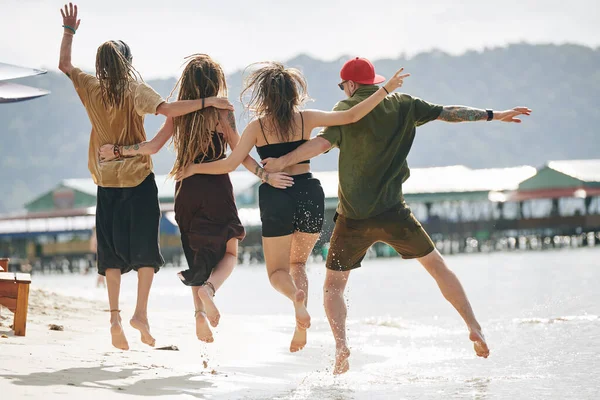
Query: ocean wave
[(570, 318)]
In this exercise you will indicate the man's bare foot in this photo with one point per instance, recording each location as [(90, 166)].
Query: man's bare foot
[(118, 336), (141, 324), (302, 315), (342, 365), (212, 312), (479, 344), (203, 331), (299, 340)]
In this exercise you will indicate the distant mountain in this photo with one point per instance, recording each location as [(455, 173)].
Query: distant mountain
[(46, 140)]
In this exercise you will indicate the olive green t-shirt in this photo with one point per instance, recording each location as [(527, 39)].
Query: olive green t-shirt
[(372, 163)]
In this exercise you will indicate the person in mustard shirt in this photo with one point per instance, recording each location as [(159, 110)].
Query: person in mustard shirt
[(127, 213), (372, 168)]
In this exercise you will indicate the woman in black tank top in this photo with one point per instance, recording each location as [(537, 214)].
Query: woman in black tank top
[(292, 218)]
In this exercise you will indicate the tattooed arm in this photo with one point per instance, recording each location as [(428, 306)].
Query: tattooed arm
[(233, 139), (277, 180), (470, 114), (240, 154), (106, 152)]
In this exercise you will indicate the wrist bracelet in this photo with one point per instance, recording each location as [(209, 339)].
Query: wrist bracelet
[(490, 114), (383, 87), (70, 28), (117, 151), (202, 104)]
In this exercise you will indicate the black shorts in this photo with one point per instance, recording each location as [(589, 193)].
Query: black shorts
[(127, 227), (300, 208)]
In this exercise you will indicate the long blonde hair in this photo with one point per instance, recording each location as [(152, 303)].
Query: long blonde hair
[(193, 133)]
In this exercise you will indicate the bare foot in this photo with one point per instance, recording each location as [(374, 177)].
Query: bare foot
[(299, 340), (118, 336), (203, 331), (144, 328), (212, 313), (302, 315), (479, 344), (342, 365)]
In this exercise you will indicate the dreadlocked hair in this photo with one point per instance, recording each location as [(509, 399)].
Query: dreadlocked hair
[(275, 94), (193, 133), (114, 72)]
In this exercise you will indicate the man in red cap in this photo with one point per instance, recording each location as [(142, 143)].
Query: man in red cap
[(372, 168)]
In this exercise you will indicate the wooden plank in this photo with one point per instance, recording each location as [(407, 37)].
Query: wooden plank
[(20, 322), (22, 278), (9, 302), (7, 276), (8, 289)]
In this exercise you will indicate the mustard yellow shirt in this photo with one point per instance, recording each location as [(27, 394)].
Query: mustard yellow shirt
[(116, 125)]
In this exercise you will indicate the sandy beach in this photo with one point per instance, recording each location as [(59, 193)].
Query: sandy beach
[(407, 343)]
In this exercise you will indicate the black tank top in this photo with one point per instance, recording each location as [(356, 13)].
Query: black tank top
[(220, 146), (277, 150)]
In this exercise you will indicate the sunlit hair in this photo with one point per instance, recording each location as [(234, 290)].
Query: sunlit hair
[(274, 94), (193, 133), (114, 72)]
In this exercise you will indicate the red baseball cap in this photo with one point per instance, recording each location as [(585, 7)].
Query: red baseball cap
[(360, 70)]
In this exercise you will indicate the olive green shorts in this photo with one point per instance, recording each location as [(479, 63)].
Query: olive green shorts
[(397, 227)]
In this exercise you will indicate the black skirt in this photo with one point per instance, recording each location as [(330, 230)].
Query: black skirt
[(207, 217), (127, 227)]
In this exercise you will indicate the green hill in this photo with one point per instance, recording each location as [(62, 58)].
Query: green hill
[(46, 140)]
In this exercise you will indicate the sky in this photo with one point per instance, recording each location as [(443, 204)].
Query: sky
[(239, 32)]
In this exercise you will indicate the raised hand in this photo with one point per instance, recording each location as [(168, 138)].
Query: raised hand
[(279, 180), (69, 15), (396, 81), (511, 115)]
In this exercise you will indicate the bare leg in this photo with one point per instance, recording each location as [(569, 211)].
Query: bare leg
[(453, 292), (277, 257), (113, 284), (140, 317), (335, 308), (203, 331), (218, 276), (302, 245)]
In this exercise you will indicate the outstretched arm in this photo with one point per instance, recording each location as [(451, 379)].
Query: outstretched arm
[(316, 118), (182, 107), (70, 24), (226, 165), (312, 148), (469, 114), (107, 151)]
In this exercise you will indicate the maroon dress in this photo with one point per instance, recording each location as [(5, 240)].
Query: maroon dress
[(207, 217)]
